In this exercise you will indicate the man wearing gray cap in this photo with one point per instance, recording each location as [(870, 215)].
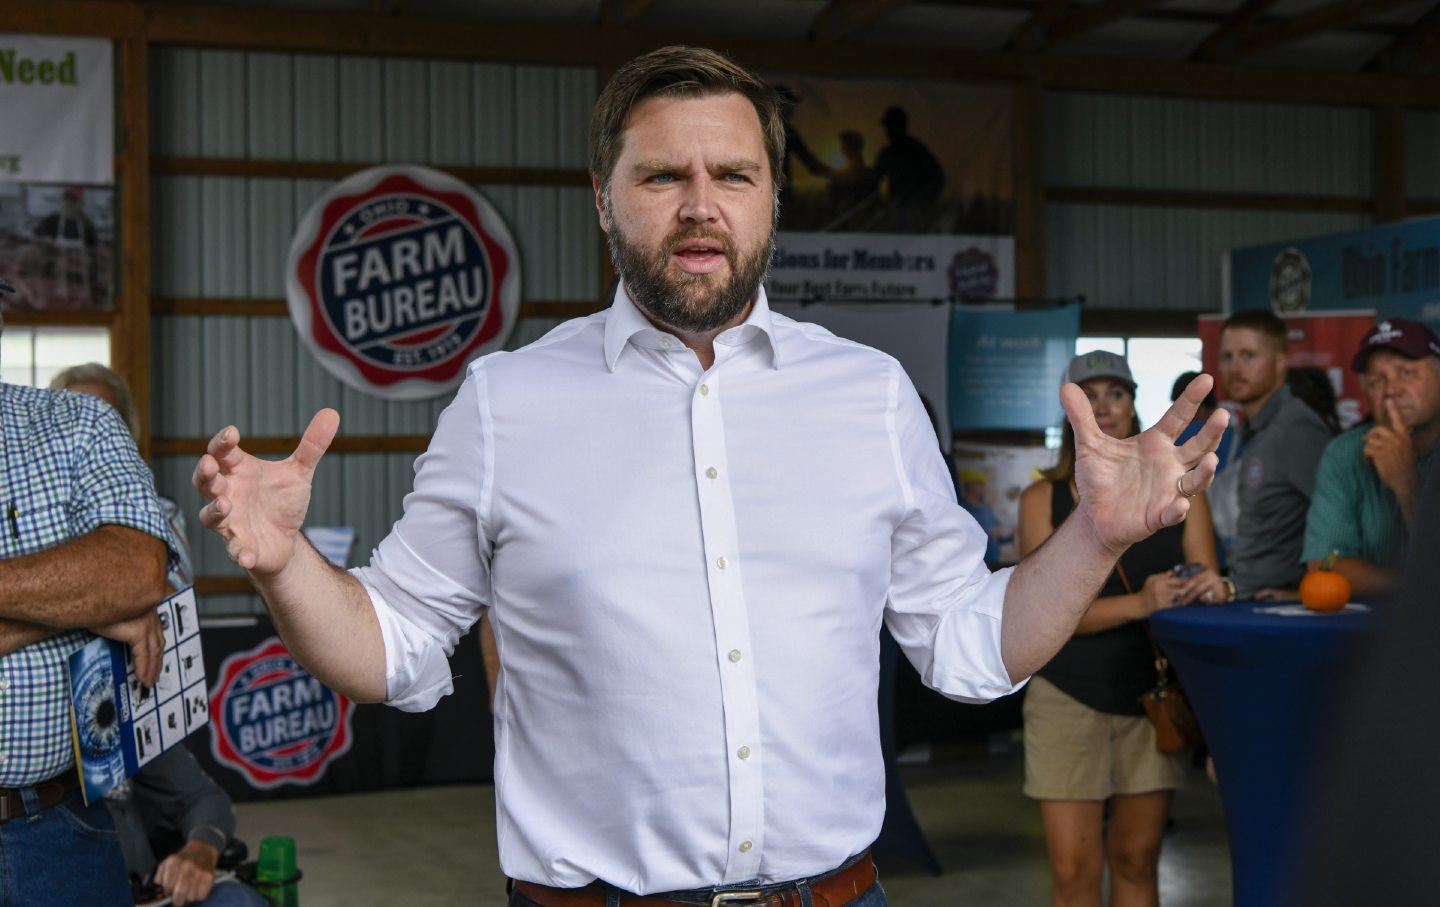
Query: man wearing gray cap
[(1370, 477)]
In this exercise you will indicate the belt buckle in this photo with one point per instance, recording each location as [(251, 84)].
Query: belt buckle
[(733, 897)]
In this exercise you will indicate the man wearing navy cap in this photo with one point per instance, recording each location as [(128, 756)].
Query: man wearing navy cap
[(1370, 477)]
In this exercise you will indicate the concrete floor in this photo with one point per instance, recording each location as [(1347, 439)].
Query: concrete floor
[(435, 847)]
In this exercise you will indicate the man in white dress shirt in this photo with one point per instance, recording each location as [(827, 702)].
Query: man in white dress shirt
[(687, 516)]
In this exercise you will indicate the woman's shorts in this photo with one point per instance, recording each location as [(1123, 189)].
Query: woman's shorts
[(1073, 752)]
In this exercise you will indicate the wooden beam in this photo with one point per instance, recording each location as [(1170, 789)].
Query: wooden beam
[(271, 307), (402, 36), (1420, 43), (1220, 44), (842, 18), (338, 170), (1330, 17), (622, 12), (1176, 198), (1081, 19), (1389, 164), (1032, 34), (1136, 322), (224, 585), (42, 319), (130, 334), (1029, 176), (283, 446)]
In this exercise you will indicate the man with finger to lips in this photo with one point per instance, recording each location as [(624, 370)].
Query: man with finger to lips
[(1370, 477), (687, 517)]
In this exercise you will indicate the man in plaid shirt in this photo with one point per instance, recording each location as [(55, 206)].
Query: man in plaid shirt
[(83, 549)]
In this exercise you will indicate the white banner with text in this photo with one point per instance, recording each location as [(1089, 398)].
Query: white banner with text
[(57, 105)]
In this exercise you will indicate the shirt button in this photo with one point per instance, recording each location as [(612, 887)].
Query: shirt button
[(704, 390), (720, 562), (734, 655), (743, 752), (745, 846), (4, 684), (710, 473)]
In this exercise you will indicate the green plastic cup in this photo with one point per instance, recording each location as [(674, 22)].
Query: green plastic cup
[(275, 871)]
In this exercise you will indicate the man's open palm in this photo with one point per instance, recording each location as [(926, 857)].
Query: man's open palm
[(258, 506), (1131, 487)]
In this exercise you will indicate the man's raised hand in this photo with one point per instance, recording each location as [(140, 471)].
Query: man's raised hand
[(1131, 487), (258, 506)]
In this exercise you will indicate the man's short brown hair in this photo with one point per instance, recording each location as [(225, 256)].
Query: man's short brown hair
[(678, 72), (1262, 321)]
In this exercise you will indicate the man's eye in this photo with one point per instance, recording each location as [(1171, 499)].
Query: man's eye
[(661, 178), (735, 178)]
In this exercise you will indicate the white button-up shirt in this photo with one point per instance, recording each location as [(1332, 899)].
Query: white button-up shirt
[(686, 571)]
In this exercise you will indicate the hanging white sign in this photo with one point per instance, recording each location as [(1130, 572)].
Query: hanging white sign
[(57, 108)]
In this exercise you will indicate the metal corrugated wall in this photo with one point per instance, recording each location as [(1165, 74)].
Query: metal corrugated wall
[(1133, 257), (223, 237), (1422, 154)]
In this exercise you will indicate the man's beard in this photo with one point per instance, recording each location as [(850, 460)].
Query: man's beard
[(688, 303)]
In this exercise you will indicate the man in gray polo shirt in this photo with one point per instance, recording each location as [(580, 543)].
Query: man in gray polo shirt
[(1283, 440)]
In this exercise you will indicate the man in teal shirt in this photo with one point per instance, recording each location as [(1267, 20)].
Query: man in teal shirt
[(1370, 477)]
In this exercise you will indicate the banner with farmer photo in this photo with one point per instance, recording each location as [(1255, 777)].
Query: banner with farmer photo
[(57, 153), (895, 191), (882, 156)]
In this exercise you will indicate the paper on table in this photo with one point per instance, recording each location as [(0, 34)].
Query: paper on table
[(1294, 610)]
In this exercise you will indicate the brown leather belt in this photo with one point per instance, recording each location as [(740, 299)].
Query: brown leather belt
[(830, 890), (47, 794)]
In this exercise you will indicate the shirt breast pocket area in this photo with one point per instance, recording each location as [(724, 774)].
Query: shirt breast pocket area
[(39, 522)]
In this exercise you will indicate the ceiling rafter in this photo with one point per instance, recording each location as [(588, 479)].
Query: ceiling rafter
[(842, 18), (1330, 17), (1220, 44), (1031, 34), (622, 12), (1407, 52), (1159, 13), (1081, 19)]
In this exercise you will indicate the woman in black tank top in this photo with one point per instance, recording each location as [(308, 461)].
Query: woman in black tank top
[(1086, 737)]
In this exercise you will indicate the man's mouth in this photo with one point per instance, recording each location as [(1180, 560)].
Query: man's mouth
[(699, 256)]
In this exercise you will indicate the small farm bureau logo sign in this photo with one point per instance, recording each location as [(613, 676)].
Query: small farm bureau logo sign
[(398, 277), (274, 723)]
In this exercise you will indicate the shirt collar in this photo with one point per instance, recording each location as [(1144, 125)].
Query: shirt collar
[(1271, 408), (626, 324)]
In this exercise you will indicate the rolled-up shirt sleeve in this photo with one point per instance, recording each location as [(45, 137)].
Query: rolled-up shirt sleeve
[(429, 579), (945, 607)]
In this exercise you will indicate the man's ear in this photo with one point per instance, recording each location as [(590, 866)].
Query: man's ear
[(599, 202)]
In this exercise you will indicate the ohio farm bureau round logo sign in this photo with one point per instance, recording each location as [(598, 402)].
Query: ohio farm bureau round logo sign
[(398, 277), (273, 722)]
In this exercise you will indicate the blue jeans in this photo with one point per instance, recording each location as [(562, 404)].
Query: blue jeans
[(233, 894), (874, 897), (65, 856)]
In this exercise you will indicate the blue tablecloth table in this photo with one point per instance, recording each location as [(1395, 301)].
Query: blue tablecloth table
[(1259, 683)]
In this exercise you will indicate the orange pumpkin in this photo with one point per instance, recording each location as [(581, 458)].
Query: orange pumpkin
[(1325, 589)]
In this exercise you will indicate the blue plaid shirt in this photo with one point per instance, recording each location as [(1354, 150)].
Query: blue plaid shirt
[(67, 467)]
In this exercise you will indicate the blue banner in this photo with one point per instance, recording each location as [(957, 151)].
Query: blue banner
[(1393, 269), (1005, 367)]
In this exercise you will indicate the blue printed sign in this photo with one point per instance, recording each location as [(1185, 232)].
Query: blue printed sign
[(118, 724), (1006, 366), (1393, 269)]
